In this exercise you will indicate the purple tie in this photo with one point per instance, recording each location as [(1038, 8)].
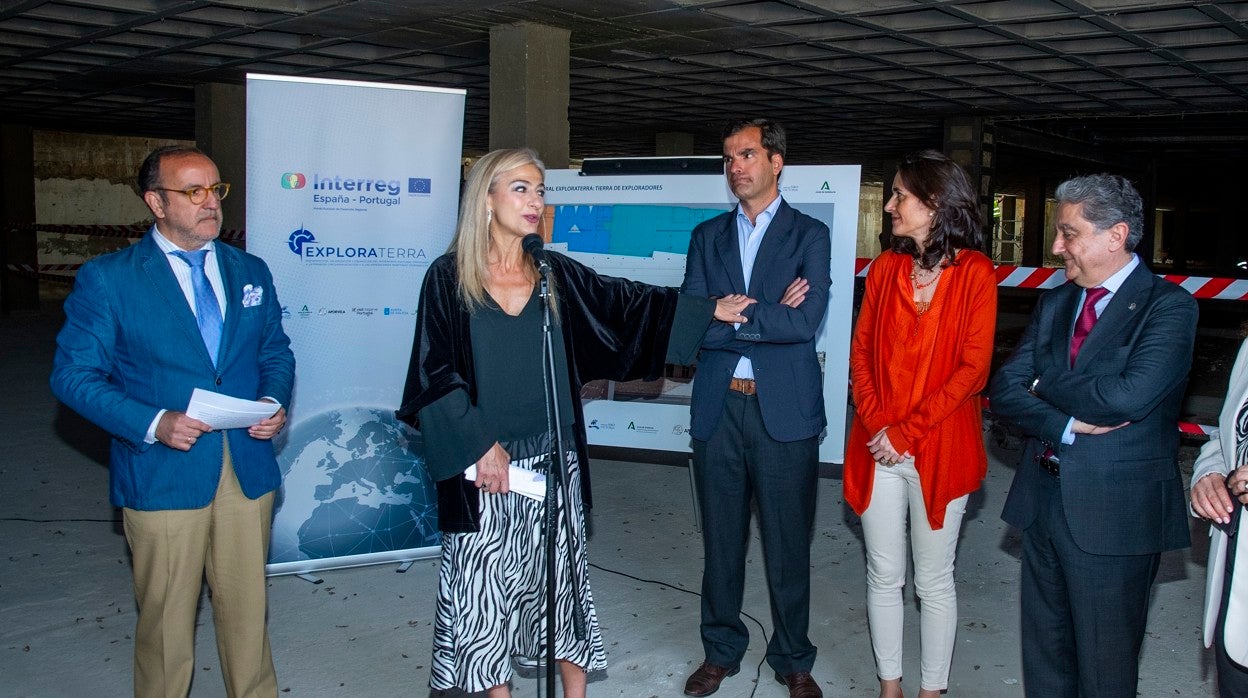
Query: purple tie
[(1087, 318)]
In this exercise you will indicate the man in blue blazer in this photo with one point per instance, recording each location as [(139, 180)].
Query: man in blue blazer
[(757, 409), (1096, 384), (144, 327)]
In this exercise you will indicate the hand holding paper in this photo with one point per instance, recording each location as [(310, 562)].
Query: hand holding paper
[(225, 412), (524, 482)]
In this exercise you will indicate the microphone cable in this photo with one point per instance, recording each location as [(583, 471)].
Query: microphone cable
[(758, 670)]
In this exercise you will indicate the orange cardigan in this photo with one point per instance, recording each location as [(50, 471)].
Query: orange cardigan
[(921, 377)]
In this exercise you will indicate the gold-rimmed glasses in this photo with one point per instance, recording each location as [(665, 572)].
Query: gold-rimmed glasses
[(198, 195)]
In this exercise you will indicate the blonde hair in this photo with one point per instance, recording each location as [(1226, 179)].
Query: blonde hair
[(471, 244)]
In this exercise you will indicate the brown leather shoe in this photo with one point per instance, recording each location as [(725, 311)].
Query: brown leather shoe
[(801, 685), (707, 678)]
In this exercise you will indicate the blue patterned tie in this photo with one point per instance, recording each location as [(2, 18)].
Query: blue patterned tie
[(207, 310)]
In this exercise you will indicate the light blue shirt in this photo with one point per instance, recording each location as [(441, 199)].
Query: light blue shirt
[(749, 239), (182, 270), (1112, 284)]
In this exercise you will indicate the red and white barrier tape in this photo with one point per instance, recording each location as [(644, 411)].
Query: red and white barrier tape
[(1010, 276), (1196, 429), (30, 268), (28, 271)]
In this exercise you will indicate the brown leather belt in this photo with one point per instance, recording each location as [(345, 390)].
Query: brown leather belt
[(745, 386)]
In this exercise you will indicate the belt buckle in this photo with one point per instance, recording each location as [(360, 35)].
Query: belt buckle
[(745, 386)]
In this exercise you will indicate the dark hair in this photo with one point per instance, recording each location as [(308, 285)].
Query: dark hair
[(773, 137), (1107, 201), (942, 185), (149, 171)]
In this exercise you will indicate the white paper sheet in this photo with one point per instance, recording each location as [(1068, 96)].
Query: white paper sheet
[(225, 412), (522, 482)]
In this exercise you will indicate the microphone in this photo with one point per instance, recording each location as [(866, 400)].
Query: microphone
[(533, 246)]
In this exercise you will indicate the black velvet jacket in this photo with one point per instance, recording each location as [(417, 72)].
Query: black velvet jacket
[(612, 328)]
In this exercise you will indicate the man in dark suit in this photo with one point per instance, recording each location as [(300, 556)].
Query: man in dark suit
[(144, 327), (757, 408), (1096, 384)]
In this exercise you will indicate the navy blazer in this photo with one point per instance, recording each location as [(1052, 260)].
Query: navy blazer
[(130, 347), (1121, 491), (779, 340)]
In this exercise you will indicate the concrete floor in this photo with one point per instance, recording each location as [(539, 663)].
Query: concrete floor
[(67, 613)]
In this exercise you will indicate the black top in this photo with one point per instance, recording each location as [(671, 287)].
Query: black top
[(612, 328), (507, 356)]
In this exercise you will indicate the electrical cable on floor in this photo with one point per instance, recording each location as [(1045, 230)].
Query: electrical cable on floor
[(758, 670)]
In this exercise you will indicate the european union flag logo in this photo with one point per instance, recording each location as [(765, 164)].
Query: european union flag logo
[(418, 185)]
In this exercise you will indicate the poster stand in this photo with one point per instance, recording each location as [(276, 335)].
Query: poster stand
[(638, 225)]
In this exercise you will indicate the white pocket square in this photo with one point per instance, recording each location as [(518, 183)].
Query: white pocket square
[(252, 295)]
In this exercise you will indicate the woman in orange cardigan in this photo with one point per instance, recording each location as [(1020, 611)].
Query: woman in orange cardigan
[(920, 358)]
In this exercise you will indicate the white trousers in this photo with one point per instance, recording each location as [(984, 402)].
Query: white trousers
[(895, 495)]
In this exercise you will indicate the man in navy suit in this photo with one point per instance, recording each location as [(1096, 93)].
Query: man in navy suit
[(757, 409), (144, 327), (1096, 384)]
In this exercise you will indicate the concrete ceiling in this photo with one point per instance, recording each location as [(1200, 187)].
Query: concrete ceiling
[(854, 80)]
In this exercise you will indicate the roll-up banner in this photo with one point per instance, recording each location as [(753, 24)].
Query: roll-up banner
[(638, 227), (352, 190)]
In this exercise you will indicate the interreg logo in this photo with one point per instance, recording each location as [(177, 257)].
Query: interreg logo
[(419, 185), (298, 239), (294, 180), (337, 183)]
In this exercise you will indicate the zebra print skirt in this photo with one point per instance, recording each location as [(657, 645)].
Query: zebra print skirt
[(491, 592)]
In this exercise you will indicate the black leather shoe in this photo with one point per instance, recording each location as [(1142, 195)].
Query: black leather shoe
[(801, 685), (707, 678)]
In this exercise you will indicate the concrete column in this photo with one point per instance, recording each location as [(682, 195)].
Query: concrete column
[(969, 140), (1033, 223), (669, 143), (871, 220), (529, 90), (221, 132), (1179, 233), (18, 244)]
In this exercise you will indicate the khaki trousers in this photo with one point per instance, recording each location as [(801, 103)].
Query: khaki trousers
[(226, 541)]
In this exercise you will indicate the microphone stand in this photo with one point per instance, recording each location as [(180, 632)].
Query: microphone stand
[(556, 481)]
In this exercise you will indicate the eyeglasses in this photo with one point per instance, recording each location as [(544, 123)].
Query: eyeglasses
[(198, 195)]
